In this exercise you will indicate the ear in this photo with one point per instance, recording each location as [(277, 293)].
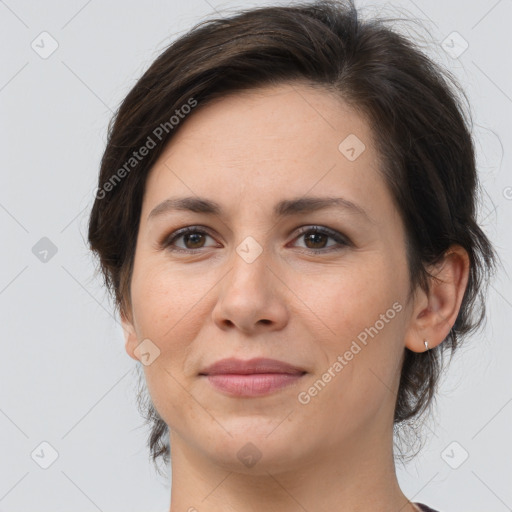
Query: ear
[(130, 335), (434, 312)]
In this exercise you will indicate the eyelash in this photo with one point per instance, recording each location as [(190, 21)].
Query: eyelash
[(338, 237)]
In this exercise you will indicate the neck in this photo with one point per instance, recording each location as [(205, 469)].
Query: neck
[(358, 476)]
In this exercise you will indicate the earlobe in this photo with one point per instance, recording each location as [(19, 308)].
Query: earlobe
[(436, 311), (130, 335)]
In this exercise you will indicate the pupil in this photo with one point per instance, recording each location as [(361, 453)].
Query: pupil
[(197, 237), (316, 235)]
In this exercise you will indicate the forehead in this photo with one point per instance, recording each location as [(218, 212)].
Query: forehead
[(291, 112), (282, 140)]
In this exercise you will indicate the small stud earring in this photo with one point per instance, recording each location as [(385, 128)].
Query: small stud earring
[(426, 345)]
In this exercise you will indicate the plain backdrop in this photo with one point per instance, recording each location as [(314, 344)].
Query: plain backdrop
[(66, 380)]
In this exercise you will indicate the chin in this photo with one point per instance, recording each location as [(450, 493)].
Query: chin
[(256, 447)]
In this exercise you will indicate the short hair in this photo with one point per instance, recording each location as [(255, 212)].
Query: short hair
[(421, 131)]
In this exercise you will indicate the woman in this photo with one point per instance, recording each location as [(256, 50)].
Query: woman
[(286, 215)]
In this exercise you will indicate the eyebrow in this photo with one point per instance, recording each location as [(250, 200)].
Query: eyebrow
[(285, 208)]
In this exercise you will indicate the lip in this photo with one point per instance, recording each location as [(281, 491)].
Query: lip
[(254, 377), (257, 365)]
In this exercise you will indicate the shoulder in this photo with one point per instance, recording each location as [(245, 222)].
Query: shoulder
[(424, 508)]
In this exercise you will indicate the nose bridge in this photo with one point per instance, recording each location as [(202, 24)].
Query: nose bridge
[(252, 238), (250, 262), (248, 296)]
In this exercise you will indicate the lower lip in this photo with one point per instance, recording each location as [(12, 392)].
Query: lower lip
[(256, 384)]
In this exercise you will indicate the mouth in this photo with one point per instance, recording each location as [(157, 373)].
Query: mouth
[(254, 377)]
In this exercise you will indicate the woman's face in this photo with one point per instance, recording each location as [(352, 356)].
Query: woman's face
[(255, 281)]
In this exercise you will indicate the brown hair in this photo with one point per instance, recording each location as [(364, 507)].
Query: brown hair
[(420, 126)]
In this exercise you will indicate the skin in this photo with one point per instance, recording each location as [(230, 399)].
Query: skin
[(248, 151)]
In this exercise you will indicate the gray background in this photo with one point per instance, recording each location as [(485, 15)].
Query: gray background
[(65, 378)]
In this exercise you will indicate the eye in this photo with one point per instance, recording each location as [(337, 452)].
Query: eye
[(193, 238), (315, 239), (317, 236)]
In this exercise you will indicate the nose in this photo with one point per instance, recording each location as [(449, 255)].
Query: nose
[(252, 298)]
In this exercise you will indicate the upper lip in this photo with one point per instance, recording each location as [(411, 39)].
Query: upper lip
[(256, 365)]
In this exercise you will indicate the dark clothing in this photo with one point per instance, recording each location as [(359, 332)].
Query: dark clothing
[(425, 508)]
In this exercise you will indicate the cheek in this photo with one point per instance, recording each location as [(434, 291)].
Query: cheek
[(173, 402), (167, 311), (351, 299), (166, 301), (364, 309), (368, 344)]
